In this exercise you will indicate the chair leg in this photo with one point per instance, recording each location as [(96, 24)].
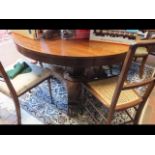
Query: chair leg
[(110, 116), (50, 89), (138, 114), (18, 111), (41, 64), (141, 71), (109, 121)]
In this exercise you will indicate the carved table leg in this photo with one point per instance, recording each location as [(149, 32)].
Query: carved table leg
[(73, 78)]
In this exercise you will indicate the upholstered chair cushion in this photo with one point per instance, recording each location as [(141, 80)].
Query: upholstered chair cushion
[(141, 51), (104, 91), (24, 82)]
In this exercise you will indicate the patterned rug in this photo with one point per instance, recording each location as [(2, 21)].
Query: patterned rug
[(38, 102)]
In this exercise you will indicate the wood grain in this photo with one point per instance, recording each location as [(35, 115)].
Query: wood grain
[(83, 53)]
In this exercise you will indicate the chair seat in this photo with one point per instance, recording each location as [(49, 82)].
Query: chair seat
[(141, 51), (104, 90), (26, 81)]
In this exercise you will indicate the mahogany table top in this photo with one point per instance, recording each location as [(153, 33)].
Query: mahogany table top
[(83, 53)]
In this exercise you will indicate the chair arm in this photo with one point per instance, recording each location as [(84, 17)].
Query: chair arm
[(139, 84)]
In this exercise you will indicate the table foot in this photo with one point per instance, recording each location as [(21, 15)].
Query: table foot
[(74, 108)]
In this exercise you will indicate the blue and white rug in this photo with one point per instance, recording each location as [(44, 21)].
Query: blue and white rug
[(38, 102)]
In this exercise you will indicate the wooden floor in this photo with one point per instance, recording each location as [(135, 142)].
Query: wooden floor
[(9, 54)]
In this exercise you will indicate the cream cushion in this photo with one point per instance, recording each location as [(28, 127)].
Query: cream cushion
[(141, 51), (23, 82), (104, 91)]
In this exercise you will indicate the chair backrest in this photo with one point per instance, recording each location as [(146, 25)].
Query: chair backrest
[(12, 91), (7, 81), (123, 76)]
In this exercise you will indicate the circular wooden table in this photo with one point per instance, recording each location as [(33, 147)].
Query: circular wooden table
[(77, 54)]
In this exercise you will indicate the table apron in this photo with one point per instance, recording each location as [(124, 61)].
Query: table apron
[(78, 62)]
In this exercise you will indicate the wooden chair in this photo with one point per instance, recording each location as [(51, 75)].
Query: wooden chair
[(143, 53), (23, 83), (117, 95), (152, 51)]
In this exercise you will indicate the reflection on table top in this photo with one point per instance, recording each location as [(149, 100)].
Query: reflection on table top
[(70, 48)]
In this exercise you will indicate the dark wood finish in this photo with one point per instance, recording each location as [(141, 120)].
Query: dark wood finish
[(120, 86), (14, 94)]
